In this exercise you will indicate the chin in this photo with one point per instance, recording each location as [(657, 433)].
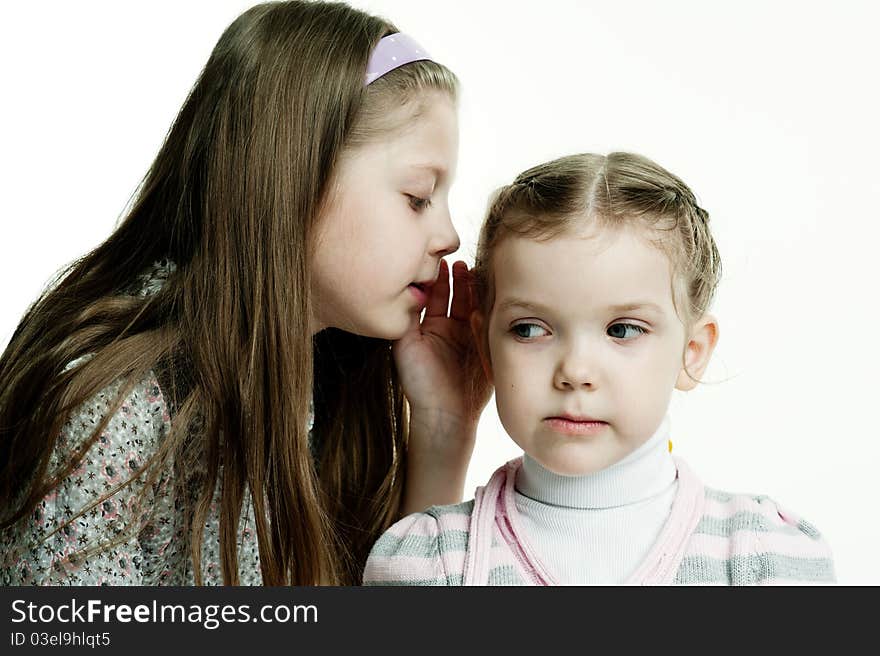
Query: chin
[(390, 330), (573, 466), (568, 470)]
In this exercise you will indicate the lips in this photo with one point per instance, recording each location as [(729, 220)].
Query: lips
[(584, 418), (423, 286), (419, 292), (575, 424)]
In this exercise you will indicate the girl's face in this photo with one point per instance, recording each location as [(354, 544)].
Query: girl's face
[(387, 225), (585, 346)]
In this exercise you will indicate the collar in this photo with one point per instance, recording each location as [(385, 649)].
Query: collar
[(642, 474)]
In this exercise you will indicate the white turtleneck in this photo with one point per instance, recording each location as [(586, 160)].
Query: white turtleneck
[(597, 528)]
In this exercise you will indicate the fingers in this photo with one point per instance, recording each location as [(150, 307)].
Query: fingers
[(413, 329), (438, 299), (462, 303)]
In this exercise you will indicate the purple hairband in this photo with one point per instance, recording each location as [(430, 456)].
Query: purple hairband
[(391, 52)]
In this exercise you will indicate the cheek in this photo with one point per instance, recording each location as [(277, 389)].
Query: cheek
[(335, 267), (396, 244), (351, 244), (657, 360), (517, 374), (672, 361), (656, 375), (358, 232)]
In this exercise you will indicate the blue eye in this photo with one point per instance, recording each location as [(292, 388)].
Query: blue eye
[(418, 204), (528, 330), (625, 331)]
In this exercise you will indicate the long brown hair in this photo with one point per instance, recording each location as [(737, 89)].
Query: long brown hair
[(232, 200)]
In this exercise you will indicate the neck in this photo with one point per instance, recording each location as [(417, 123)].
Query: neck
[(644, 473)]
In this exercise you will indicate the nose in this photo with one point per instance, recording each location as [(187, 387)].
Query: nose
[(445, 239), (575, 370)]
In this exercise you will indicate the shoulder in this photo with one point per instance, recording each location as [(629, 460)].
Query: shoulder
[(134, 423), (152, 279), (102, 499), (748, 539), (425, 548)]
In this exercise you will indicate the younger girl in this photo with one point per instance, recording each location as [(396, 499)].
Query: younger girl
[(155, 410), (596, 274)]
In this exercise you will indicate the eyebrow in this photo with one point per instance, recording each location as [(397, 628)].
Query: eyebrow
[(537, 307), (517, 302), (438, 171), (641, 305)]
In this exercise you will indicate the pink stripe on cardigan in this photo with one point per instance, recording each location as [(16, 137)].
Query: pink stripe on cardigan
[(710, 537), (495, 504)]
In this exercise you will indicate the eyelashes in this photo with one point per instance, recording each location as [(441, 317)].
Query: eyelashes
[(625, 331), (417, 203), (524, 330), (529, 331)]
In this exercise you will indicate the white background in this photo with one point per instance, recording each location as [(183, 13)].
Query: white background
[(767, 110)]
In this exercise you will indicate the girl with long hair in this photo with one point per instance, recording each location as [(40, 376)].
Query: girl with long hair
[(236, 386)]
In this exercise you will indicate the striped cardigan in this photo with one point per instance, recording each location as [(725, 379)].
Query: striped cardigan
[(711, 537)]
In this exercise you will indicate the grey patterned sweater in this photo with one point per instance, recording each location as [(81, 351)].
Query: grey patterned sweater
[(42, 548)]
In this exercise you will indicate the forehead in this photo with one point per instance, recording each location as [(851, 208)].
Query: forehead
[(584, 269), (421, 133)]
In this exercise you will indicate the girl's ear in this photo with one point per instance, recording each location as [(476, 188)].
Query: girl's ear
[(697, 352), (480, 339)]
